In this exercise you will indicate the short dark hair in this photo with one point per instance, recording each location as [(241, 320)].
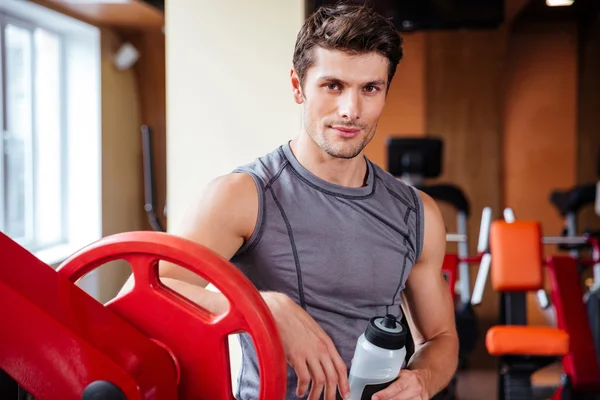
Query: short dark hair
[(350, 28)]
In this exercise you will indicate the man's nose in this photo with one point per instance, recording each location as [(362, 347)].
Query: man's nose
[(349, 105)]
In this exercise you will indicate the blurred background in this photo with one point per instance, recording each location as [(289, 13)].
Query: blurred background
[(512, 87)]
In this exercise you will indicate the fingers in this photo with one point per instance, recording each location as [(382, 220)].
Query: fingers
[(331, 377), (314, 357), (303, 378), (318, 378), (404, 388), (403, 397), (392, 391), (323, 374), (341, 371)]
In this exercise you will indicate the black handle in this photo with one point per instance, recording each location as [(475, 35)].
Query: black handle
[(149, 206), (103, 390)]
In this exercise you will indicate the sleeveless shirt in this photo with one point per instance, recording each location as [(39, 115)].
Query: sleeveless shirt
[(343, 254)]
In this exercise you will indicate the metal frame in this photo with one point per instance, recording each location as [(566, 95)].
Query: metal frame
[(64, 145), (513, 308), (572, 230), (464, 274), (30, 240), (514, 372), (3, 126)]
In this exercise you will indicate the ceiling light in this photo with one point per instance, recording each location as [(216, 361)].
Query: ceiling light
[(558, 3)]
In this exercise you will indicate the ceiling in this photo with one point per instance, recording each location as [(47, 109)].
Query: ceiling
[(537, 10), (118, 14), (149, 14)]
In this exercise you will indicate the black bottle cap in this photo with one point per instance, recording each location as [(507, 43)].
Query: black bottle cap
[(386, 332)]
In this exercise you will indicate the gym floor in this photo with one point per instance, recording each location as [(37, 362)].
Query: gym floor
[(482, 384)]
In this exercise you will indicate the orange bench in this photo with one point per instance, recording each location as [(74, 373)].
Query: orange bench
[(517, 268)]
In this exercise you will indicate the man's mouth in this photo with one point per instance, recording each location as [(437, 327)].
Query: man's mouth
[(346, 131)]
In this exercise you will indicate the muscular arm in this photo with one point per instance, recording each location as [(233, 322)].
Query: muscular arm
[(428, 307)]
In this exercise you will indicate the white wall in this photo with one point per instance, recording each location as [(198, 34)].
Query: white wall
[(229, 97)]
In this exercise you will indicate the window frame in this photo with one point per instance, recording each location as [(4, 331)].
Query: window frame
[(30, 240)]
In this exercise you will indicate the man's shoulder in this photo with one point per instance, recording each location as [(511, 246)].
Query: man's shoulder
[(398, 188), (408, 198), (263, 168)]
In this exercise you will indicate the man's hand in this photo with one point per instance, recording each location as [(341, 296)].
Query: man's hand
[(308, 350), (410, 385)]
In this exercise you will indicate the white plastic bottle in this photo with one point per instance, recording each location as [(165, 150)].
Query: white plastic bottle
[(378, 357)]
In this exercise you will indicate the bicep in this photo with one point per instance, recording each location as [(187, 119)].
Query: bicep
[(222, 220), (426, 299)]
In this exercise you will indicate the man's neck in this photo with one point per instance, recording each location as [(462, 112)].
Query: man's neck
[(344, 172)]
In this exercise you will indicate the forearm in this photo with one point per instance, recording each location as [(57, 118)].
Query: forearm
[(436, 361), (215, 302)]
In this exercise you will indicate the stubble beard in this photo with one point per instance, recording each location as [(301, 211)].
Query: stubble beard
[(344, 150)]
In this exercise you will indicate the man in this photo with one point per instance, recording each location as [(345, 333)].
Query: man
[(328, 238)]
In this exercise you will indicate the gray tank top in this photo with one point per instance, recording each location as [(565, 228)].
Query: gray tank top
[(343, 254)]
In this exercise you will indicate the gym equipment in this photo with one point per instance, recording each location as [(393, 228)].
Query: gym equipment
[(542, 297), (516, 252), (521, 349), (412, 160), (149, 186), (569, 203), (466, 321), (597, 204), (149, 343), (580, 366)]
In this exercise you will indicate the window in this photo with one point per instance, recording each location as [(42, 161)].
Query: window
[(33, 137), (50, 147)]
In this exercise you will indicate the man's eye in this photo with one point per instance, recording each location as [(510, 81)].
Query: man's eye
[(332, 86), (371, 89)]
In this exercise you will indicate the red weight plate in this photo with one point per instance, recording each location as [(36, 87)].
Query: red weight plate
[(197, 340)]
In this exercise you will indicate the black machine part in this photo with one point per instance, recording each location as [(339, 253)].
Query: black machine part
[(419, 156), (592, 303), (573, 200), (149, 187), (103, 390), (569, 203), (450, 194), (9, 388), (468, 331)]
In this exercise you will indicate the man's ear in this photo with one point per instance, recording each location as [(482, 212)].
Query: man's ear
[(296, 86)]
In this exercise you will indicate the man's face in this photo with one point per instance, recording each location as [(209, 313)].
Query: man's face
[(343, 96)]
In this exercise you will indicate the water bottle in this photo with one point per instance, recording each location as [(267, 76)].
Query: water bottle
[(378, 357)]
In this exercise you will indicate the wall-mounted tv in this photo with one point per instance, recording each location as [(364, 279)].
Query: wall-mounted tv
[(414, 15)]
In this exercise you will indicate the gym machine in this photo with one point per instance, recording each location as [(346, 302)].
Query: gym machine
[(58, 342), (517, 268), (569, 203), (413, 160), (149, 183)]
